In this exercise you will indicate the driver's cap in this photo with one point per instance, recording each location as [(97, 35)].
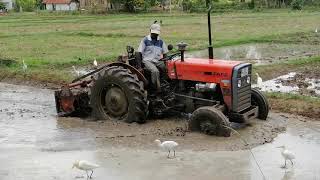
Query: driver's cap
[(155, 28)]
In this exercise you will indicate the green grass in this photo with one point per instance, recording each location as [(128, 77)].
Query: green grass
[(54, 41), (287, 96), (295, 104)]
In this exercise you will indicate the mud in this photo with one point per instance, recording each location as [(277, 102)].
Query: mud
[(306, 84), (36, 144), (262, 53)]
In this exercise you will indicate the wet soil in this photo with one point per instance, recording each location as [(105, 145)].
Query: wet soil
[(306, 84), (36, 144)]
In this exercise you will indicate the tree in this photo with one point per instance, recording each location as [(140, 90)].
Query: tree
[(27, 5), (130, 5), (2, 6)]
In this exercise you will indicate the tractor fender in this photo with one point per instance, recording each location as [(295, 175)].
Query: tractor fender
[(132, 69)]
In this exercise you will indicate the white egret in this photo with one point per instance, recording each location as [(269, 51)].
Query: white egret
[(316, 31), (85, 166), (259, 80), (24, 66), (287, 155), (76, 71), (167, 146), (95, 63)]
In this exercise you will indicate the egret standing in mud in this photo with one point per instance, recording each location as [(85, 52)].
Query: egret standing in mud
[(85, 166), (167, 146), (95, 63), (76, 71), (287, 155), (259, 80), (24, 66)]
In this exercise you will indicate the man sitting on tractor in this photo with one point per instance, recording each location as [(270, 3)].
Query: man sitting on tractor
[(153, 49)]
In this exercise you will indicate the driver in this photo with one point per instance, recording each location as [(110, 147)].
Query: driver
[(152, 49)]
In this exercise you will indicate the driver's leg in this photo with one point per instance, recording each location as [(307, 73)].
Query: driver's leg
[(161, 66), (154, 73)]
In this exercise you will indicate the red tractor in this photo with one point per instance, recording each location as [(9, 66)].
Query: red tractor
[(216, 92)]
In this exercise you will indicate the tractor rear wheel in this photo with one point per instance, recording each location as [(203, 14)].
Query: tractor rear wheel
[(258, 99), (211, 121), (118, 94)]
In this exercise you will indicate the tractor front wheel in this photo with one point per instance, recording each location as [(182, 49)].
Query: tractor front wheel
[(211, 121), (258, 99), (118, 94)]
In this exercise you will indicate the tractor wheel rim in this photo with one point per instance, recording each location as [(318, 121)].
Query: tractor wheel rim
[(207, 127), (116, 103)]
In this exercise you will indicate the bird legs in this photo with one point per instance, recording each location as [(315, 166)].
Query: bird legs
[(89, 177), (285, 163), (174, 153)]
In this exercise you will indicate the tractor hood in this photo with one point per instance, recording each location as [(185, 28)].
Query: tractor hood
[(205, 70)]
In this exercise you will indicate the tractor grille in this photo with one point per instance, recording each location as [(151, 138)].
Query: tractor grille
[(241, 95)]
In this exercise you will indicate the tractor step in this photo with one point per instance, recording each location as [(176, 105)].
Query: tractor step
[(245, 115)]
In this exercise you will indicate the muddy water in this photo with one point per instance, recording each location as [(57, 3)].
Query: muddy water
[(36, 144), (293, 82), (264, 53)]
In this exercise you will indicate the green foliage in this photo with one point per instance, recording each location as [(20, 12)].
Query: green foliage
[(2, 5), (297, 4), (130, 5), (27, 5), (251, 4)]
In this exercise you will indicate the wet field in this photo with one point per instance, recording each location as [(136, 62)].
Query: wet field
[(262, 53), (36, 144)]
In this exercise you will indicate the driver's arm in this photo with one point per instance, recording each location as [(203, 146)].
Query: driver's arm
[(142, 46), (164, 49)]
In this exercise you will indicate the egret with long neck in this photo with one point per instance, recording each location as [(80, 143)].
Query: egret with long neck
[(85, 166), (287, 155), (167, 146)]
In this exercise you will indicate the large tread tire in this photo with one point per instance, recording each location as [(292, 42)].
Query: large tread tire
[(131, 86), (211, 121), (258, 99)]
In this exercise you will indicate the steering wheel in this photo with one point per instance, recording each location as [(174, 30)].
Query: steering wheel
[(170, 57)]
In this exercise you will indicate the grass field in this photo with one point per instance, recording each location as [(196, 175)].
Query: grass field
[(50, 43)]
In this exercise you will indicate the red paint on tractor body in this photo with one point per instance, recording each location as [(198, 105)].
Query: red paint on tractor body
[(205, 70)]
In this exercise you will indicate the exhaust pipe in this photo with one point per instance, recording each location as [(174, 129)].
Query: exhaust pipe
[(210, 47)]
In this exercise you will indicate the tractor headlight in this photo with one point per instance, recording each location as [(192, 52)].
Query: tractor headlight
[(248, 79), (239, 83)]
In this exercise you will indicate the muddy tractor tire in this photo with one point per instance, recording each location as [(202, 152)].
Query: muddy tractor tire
[(118, 94), (258, 99), (210, 121)]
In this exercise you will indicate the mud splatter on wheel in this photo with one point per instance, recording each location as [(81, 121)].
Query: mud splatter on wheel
[(211, 121), (118, 94)]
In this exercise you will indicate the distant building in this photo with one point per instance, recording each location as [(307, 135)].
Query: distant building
[(9, 4), (61, 5)]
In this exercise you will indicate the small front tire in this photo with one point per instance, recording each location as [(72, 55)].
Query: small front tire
[(210, 121), (258, 99)]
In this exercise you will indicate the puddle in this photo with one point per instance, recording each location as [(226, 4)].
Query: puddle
[(36, 144), (293, 82), (264, 53)]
